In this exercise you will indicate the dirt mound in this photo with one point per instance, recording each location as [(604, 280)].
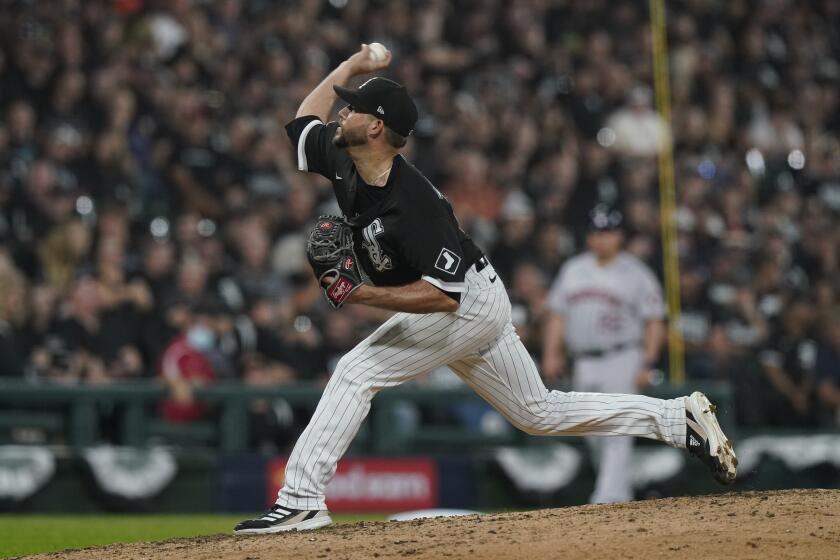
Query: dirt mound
[(786, 524)]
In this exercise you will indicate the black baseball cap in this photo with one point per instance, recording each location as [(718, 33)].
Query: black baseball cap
[(605, 218), (384, 99)]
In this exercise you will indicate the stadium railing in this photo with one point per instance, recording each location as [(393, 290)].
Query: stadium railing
[(76, 415)]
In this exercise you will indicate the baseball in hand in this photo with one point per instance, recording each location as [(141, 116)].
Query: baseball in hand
[(377, 52)]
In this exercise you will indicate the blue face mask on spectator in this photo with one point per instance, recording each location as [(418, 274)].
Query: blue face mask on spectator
[(201, 338)]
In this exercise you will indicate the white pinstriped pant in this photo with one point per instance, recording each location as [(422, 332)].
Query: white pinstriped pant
[(478, 342)]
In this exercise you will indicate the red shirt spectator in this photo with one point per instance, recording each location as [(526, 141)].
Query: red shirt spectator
[(183, 367)]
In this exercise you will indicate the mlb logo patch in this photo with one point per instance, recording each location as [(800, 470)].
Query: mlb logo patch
[(448, 261)]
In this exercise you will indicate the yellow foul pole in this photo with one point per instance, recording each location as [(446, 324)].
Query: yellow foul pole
[(667, 194)]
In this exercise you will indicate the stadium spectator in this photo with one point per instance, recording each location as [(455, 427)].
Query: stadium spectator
[(64, 249), (104, 332), (528, 288), (516, 234), (696, 320), (788, 360), (190, 287), (638, 129), (13, 312), (41, 309), (828, 369), (476, 200), (255, 276), (185, 365), (271, 420)]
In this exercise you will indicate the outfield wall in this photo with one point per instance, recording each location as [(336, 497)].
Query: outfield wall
[(557, 474)]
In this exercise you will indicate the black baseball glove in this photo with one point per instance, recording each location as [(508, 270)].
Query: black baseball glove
[(330, 252)]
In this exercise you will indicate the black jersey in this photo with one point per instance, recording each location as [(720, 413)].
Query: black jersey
[(403, 231)]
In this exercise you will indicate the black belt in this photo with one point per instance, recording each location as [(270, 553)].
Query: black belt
[(481, 263), (605, 351)]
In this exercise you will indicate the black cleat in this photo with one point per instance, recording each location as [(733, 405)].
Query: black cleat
[(279, 519), (705, 440)]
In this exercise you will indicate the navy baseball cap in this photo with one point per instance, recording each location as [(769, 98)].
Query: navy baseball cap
[(384, 99), (604, 218)]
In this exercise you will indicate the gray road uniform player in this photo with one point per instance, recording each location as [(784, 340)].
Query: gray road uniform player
[(409, 243), (607, 309)]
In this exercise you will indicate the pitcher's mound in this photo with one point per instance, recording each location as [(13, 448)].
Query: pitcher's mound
[(786, 524)]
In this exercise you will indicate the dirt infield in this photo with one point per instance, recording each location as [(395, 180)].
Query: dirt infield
[(761, 525)]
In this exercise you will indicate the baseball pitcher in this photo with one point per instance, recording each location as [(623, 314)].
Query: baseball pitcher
[(398, 246)]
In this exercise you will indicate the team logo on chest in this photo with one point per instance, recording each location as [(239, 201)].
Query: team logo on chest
[(380, 260)]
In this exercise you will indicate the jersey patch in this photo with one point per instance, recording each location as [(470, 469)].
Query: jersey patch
[(448, 261), (378, 258)]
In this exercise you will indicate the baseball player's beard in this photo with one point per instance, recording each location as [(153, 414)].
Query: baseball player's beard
[(346, 138)]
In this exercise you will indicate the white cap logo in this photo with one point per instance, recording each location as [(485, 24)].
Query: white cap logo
[(601, 220), (380, 110)]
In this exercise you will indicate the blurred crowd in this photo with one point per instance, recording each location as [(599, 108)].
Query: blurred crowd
[(152, 218)]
